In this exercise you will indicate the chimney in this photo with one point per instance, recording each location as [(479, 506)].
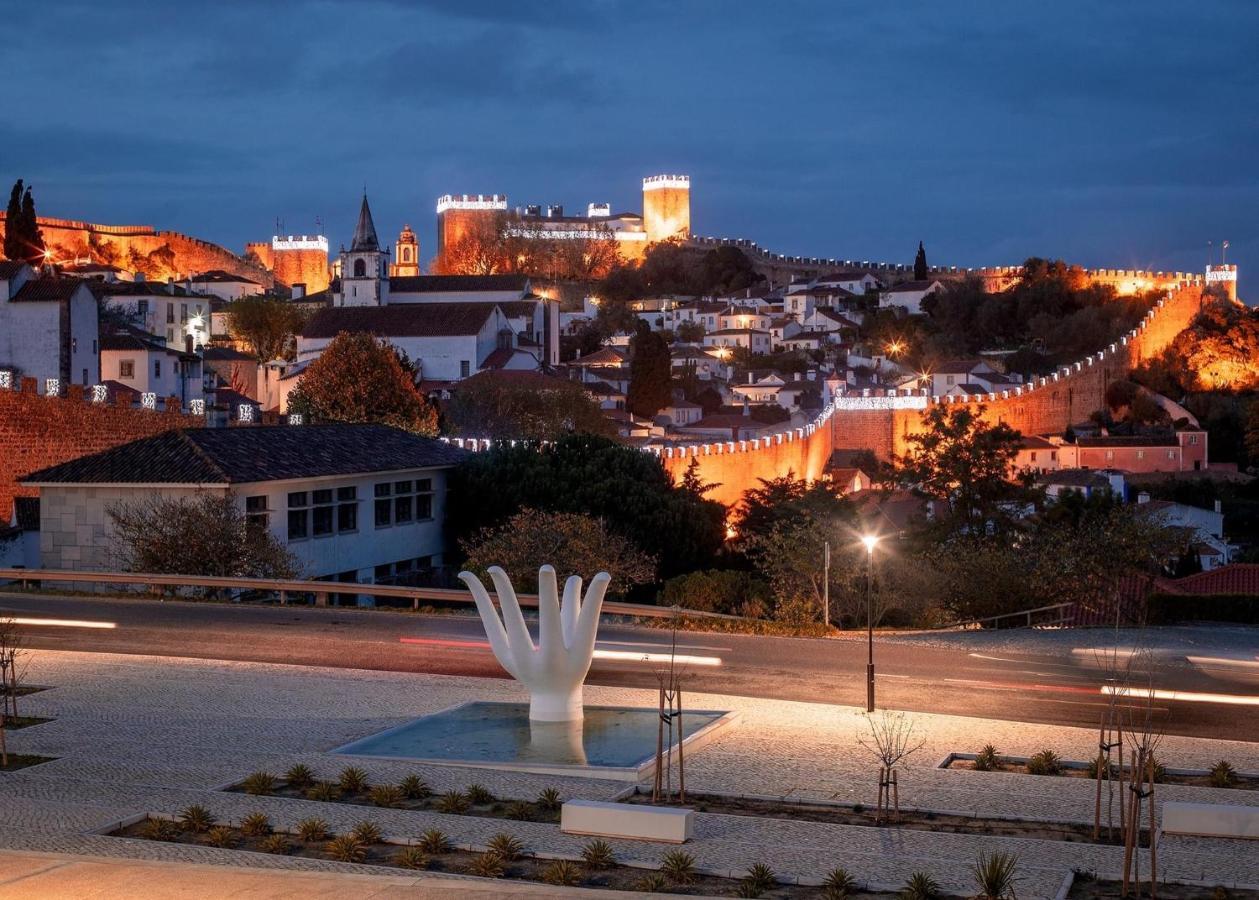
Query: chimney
[(1219, 506), (1144, 497), (747, 409), (750, 378)]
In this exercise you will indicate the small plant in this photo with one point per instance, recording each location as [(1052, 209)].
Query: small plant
[(1046, 762), (987, 760), (324, 792), (598, 855), (550, 800), (561, 872), (1222, 775), (386, 796), (299, 776), (453, 803), (994, 876), (486, 865), (478, 795), (410, 858), (312, 829), (1097, 767), (159, 830), (520, 811), (759, 879), (507, 846), (352, 779), (275, 843), (256, 824), (346, 848), (434, 841), (367, 832), (920, 886), (259, 784), (221, 836), (652, 883), (838, 884), (414, 787), (678, 866), (196, 819), (1158, 771)]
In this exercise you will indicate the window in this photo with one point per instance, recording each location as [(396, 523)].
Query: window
[(1110, 455), (256, 516), (323, 512), (360, 268), (142, 307), (183, 312), (84, 376), (157, 368), (347, 509), (948, 379), (1171, 454), (1140, 454), (299, 516), (127, 368), (170, 313), (1193, 439), (465, 368), (93, 346), (384, 507), (401, 502)]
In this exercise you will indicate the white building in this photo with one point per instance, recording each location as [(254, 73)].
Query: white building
[(749, 339), (48, 328), (908, 295), (225, 285), (353, 503), (149, 367), (170, 311)]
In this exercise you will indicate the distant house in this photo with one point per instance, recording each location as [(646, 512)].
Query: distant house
[(1036, 454), (1086, 482), (146, 366), (1203, 527), (229, 367), (169, 310), (353, 503), (722, 426), (225, 285), (908, 295), (749, 339), (1182, 451), (49, 328)]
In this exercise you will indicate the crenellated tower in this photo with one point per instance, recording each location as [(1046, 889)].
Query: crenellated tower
[(667, 207)]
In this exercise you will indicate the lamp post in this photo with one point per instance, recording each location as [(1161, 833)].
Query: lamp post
[(869, 540)]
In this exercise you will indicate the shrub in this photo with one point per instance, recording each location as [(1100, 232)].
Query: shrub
[(520, 811), (159, 830), (324, 791), (760, 878), (275, 843), (598, 854), (732, 592), (1222, 775), (352, 780), (507, 846), (987, 760), (385, 795), (414, 787), (652, 883), (994, 876), (410, 858), (256, 824), (196, 819), (221, 836), (259, 784), (299, 776), (366, 833), (562, 872), (838, 884), (550, 800), (920, 886), (1098, 766), (346, 848), (1046, 762), (434, 841), (486, 865), (1158, 771), (312, 829), (678, 866), (453, 803), (478, 795)]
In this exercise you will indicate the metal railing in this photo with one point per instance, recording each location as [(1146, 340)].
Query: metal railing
[(1064, 616), (322, 590)]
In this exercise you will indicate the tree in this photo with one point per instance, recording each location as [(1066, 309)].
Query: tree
[(32, 239), (573, 543), (920, 264), (13, 224), (22, 238), (206, 534), (790, 500), (691, 332), (731, 592), (359, 378), (628, 489), (651, 373), (541, 408), (267, 324)]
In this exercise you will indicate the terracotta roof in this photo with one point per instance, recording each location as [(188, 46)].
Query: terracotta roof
[(432, 284), (261, 453), (518, 308), (523, 378), (1238, 578), (604, 356), (401, 320), (1034, 442), (47, 290), (216, 354), (135, 343)]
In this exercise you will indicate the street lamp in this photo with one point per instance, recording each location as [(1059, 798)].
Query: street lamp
[(870, 540)]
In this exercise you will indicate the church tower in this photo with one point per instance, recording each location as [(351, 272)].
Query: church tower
[(406, 254), (364, 278)]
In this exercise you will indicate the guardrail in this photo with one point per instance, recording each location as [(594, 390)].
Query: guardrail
[(1063, 618), (321, 590)]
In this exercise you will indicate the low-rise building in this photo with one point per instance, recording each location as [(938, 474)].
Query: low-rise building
[(1182, 451), (49, 328), (146, 366), (908, 295), (225, 285)]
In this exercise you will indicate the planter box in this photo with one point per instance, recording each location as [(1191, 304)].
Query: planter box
[(1211, 820), (622, 820)]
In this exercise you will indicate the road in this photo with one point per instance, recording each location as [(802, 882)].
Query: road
[(1031, 680)]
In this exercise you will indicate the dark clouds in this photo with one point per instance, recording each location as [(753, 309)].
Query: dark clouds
[(1117, 134)]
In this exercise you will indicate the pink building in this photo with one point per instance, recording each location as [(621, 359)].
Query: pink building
[(1184, 451)]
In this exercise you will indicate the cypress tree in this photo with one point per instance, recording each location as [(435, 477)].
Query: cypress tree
[(920, 264), (13, 223), (33, 241), (651, 373)]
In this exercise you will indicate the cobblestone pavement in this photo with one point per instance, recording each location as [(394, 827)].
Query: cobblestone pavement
[(145, 734)]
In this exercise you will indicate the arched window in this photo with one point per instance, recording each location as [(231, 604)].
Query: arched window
[(360, 268)]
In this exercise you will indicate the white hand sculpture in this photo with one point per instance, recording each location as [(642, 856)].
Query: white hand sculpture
[(555, 669)]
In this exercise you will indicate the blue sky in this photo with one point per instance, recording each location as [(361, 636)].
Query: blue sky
[(1120, 134)]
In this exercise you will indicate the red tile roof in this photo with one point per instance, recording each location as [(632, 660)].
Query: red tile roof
[(1238, 578)]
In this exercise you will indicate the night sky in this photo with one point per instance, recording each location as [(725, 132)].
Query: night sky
[(1118, 134)]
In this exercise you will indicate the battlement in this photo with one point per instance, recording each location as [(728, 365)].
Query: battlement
[(471, 201), (656, 182), (77, 225), (300, 242)]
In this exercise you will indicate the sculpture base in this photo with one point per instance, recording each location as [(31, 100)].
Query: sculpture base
[(558, 707)]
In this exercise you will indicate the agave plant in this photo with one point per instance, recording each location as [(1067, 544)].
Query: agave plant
[(196, 819), (256, 824), (367, 832), (987, 760), (346, 848), (1222, 775), (598, 854), (562, 872), (839, 883), (678, 866), (259, 784), (299, 776), (1046, 762), (759, 879), (221, 836), (994, 876), (159, 830), (352, 780), (520, 811), (550, 800), (920, 886), (312, 829), (454, 803), (414, 787), (410, 858), (652, 883), (478, 795), (486, 865), (434, 841), (324, 792), (385, 795), (275, 843), (507, 846)]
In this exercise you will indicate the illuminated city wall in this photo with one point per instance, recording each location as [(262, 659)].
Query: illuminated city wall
[(459, 214), (666, 207)]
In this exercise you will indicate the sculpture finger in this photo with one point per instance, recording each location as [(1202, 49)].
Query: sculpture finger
[(513, 619), (493, 625), (570, 607), (583, 643), (550, 630)]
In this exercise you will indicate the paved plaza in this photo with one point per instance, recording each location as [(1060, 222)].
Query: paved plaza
[(142, 734)]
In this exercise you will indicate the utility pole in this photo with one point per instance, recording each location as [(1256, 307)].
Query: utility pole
[(869, 540)]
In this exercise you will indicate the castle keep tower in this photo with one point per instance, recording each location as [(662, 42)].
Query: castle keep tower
[(406, 253), (1224, 276), (457, 214), (667, 207)]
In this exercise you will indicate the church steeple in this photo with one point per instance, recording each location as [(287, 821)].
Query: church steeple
[(365, 231)]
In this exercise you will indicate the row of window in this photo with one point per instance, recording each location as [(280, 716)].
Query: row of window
[(322, 512), (401, 502), (328, 511), (127, 368)]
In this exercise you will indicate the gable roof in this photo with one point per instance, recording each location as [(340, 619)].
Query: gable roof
[(1237, 578), (433, 284), (9, 268), (133, 343), (218, 275), (47, 290), (401, 320), (906, 287), (258, 453)]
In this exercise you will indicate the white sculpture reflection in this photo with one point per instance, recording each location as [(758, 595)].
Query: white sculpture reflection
[(554, 670)]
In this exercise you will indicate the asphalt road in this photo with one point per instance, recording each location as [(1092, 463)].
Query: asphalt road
[(1034, 681)]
